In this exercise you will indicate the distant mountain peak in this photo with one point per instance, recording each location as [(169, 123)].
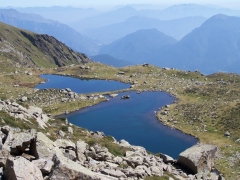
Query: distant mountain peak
[(220, 16), (126, 8), (222, 21), (185, 6), (137, 47)]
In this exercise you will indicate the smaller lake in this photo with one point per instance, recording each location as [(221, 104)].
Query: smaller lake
[(80, 85)]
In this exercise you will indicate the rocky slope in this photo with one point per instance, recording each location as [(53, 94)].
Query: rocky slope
[(29, 154), (34, 50)]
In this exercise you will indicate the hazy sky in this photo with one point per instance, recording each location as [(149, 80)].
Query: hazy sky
[(108, 3)]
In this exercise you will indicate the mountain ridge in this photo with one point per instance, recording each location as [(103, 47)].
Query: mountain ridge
[(210, 48), (35, 50), (136, 47), (172, 28), (169, 13), (38, 24)]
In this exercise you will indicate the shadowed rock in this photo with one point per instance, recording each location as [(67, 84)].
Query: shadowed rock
[(198, 158)]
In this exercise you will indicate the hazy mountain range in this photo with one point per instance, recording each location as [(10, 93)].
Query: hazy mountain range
[(38, 24), (176, 28), (137, 47), (170, 13), (85, 19), (214, 46), (139, 36), (66, 15)]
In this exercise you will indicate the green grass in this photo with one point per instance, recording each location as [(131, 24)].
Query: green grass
[(5, 119)]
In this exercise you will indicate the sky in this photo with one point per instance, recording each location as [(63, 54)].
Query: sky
[(111, 3)]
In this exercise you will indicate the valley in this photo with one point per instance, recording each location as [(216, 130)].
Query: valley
[(199, 70)]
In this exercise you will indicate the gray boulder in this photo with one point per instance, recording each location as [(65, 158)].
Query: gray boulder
[(43, 147), (65, 144), (81, 146), (227, 133), (37, 113), (134, 174), (102, 153), (20, 142), (114, 173), (4, 153), (70, 130), (124, 143), (61, 133), (68, 90), (117, 160), (67, 147), (67, 169), (133, 159), (167, 159), (45, 165), (2, 105), (90, 153), (20, 169), (199, 158), (156, 170), (23, 99), (98, 134)]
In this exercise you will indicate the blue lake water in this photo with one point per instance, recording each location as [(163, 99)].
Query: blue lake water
[(131, 119), (80, 85)]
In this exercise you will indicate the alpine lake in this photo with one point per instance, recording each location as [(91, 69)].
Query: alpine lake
[(131, 119)]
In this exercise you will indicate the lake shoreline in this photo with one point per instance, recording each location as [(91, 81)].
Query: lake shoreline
[(126, 91)]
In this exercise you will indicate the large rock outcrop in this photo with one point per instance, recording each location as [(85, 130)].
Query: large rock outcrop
[(19, 168), (199, 158)]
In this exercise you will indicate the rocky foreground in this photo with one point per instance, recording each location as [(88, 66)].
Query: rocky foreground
[(28, 154)]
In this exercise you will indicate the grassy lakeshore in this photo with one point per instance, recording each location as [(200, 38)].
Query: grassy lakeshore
[(206, 106)]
